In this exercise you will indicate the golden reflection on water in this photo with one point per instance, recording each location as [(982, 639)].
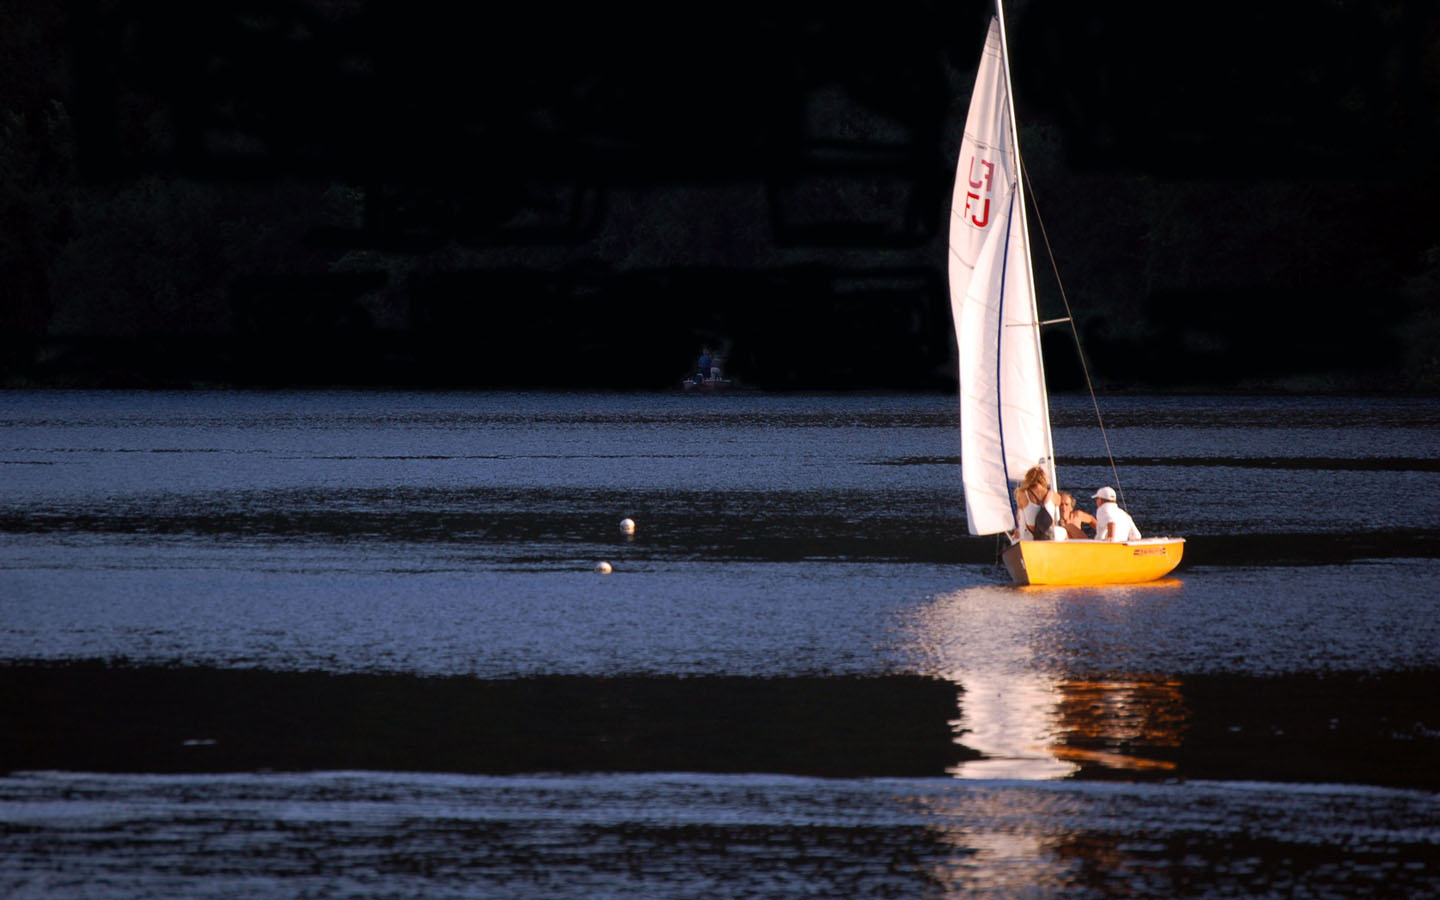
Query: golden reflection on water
[(1097, 720), (1030, 722), (1108, 591)]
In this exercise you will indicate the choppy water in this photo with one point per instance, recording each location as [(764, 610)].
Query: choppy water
[(1265, 721)]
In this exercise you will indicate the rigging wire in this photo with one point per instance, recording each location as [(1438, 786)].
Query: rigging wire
[(1074, 332)]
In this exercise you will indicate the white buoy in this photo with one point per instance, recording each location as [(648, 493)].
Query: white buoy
[(603, 567), (627, 526)]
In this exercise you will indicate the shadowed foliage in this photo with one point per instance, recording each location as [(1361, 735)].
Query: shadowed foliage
[(377, 192)]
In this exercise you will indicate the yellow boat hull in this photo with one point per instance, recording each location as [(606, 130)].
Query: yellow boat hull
[(1092, 562)]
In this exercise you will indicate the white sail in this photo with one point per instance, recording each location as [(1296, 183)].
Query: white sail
[(1004, 412)]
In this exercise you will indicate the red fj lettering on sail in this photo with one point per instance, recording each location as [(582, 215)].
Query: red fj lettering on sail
[(987, 176)]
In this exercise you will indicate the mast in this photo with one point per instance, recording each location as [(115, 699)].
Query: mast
[(1004, 422), (1025, 229)]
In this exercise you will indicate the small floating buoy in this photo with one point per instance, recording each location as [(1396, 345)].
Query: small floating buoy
[(627, 526), (603, 567)]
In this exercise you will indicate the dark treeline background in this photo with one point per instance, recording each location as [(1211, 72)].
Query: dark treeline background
[(405, 192)]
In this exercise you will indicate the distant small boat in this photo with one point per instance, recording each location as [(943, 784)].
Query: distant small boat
[(1004, 408), (705, 385)]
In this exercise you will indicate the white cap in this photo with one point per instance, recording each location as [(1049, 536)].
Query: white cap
[(1105, 493)]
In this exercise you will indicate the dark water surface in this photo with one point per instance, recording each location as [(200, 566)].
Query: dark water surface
[(353, 644)]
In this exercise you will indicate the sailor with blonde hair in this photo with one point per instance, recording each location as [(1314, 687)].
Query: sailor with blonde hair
[(1034, 494)]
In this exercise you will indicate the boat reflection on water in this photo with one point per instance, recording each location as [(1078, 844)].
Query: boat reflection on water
[(1100, 719), (1033, 722), (1033, 727), (1010, 718)]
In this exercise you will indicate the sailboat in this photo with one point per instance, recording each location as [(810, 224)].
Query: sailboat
[(1004, 407)]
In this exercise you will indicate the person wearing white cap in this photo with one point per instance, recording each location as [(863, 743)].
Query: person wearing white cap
[(1111, 522)]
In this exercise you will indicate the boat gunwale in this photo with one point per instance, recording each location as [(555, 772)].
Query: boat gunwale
[(1089, 570)]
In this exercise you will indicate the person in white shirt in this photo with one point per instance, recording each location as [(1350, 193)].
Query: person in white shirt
[(1111, 522)]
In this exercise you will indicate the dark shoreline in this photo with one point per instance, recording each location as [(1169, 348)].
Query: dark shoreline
[(946, 386)]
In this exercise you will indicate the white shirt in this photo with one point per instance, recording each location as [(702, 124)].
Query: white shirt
[(1125, 529)]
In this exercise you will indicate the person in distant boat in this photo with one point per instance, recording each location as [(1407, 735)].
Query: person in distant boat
[(1031, 496), (1111, 522), (716, 365), (705, 363), (1074, 519)]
